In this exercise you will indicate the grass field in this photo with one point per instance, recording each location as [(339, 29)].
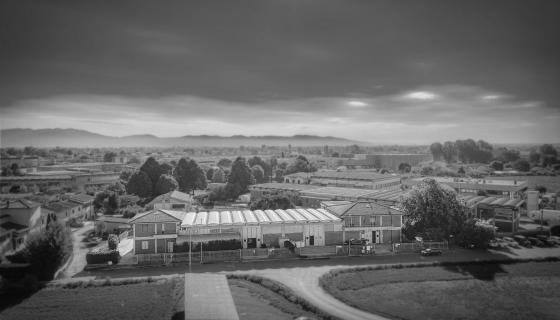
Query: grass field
[(148, 300), (516, 291), (551, 183)]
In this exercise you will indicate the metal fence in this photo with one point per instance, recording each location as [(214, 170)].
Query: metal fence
[(418, 246)]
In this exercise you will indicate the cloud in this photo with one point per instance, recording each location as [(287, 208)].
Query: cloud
[(457, 112)]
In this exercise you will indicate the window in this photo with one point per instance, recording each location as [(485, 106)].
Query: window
[(144, 227), (163, 228), (144, 245)]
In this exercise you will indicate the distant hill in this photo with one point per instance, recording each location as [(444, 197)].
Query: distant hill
[(84, 139)]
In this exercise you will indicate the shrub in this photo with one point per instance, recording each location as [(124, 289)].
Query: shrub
[(102, 257), (112, 242), (45, 250)]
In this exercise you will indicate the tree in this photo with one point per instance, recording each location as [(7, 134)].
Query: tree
[(239, 179), (139, 184), (109, 156), (257, 161), (219, 176), (432, 211), (99, 200), (475, 233), (166, 168), (189, 175), (209, 174), (449, 151), (165, 184), (427, 171), (118, 188), (225, 163), (125, 175), (272, 203), (534, 156), (258, 173), (548, 149), (111, 203), (436, 149), (152, 168), (45, 250), (133, 160), (301, 164), (404, 167), (508, 155), (497, 165), (112, 242), (541, 189), (522, 165)]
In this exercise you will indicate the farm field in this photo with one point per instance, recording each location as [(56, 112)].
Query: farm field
[(552, 183), (255, 302), (493, 291), (148, 300)]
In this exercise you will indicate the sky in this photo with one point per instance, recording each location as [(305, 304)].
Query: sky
[(407, 72)]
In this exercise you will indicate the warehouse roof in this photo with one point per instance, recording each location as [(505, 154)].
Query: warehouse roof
[(492, 201), (284, 186), (256, 217)]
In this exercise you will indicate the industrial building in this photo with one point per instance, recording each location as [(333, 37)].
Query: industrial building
[(513, 189), (503, 213), (365, 179)]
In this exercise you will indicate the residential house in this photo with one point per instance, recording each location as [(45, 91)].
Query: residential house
[(17, 218), (368, 220), (156, 231), (174, 200)]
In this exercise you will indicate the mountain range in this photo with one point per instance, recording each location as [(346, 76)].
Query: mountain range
[(42, 138)]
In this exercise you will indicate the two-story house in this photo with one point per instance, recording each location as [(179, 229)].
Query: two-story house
[(156, 231), (368, 220)]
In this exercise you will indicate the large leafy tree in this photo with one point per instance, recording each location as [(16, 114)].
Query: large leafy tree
[(258, 173), (432, 211), (301, 164), (139, 184), (165, 184), (449, 151), (258, 161), (190, 175), (153, 169), (272, 203), (436, 149), (219, 176), (45, 250), (239, 179)]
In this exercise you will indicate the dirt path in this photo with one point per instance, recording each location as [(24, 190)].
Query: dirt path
[(305, 283), (79, 251)]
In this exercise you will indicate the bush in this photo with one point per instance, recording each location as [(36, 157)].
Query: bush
[(113, 242), (102, 257), (45, 250)]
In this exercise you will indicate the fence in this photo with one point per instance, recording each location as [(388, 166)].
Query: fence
[(418, 246)]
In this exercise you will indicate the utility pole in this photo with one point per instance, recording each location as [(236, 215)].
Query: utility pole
[(190, 248)]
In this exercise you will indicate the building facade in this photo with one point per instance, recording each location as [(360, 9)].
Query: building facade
[(156, 231)]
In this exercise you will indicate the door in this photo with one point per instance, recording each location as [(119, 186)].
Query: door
[(311, 240), (170, 246), (251, 242), (375, 237)]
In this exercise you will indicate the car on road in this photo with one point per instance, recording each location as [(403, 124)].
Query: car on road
[(548, 242), (523, 241), (536, 242), (511, 242), (431, 252)]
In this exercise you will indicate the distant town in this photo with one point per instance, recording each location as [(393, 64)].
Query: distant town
[(113, 210)]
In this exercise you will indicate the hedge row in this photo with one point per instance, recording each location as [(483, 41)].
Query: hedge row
[(102, 257)]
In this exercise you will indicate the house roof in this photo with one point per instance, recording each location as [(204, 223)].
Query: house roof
[(361, 208), (158, 216), (175, 196), (283, 186), (257, 217), (18, 204), (81, 198), (61, 206), (113, 219)]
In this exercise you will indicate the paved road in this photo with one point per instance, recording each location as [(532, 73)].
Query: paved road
[(207, 296), (79, 251)]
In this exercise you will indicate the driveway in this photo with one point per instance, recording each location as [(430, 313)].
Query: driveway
[(305, 283), (79, 251)]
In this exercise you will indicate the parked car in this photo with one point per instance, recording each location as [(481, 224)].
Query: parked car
[(548, 242), (431, 252), (511, 242), (556, 239), (494, 244), (536, 242), (522, 241)]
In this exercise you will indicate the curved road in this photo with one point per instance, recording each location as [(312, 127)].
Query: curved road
[(305, 283)]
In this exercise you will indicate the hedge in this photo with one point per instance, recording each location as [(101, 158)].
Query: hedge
[(102, 257)]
